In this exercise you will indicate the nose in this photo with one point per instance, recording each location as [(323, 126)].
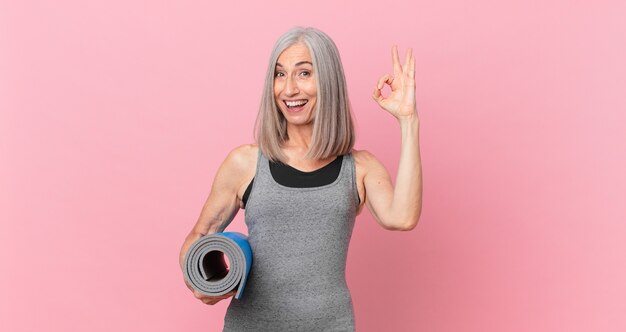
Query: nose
[(291, 88)]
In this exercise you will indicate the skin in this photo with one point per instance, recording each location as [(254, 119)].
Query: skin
[(394, 208)]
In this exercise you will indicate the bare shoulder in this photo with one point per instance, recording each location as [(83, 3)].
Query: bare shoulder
[(240, 167), (365, 161), (362, 155), (243, 158)]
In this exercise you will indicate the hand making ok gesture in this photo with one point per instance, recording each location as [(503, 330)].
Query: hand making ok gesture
[(401, 101)]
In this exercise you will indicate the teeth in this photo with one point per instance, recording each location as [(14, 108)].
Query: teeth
[(295, 103)]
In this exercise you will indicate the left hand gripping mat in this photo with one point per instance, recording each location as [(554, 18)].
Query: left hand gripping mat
[(206, 270)]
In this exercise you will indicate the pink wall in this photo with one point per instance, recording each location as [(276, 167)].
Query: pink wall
[(114, 116)]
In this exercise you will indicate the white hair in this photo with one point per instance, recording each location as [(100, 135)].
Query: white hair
[(333, 129)]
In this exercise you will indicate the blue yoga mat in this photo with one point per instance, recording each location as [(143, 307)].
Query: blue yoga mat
[(205, 267)]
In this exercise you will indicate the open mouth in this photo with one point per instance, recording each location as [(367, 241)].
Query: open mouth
[(295, 105)]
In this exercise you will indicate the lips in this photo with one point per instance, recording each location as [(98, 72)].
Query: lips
[(295, 105)]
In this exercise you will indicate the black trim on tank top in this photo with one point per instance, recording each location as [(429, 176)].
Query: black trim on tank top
[(295, 178)]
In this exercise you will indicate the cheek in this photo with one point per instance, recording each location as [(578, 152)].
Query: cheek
[(277, 96), (278, 86), (311, 89), (276, 90)]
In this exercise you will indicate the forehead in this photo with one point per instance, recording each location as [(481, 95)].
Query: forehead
[(293, 54)]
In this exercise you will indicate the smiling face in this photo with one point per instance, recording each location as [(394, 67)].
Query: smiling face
[(295, 89)]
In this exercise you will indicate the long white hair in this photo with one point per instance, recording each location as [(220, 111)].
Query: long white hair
[(333, 129)]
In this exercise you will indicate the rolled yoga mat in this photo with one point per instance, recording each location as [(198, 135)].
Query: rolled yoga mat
[(206, 270)]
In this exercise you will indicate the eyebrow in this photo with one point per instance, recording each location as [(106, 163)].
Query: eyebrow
[(297, 64)]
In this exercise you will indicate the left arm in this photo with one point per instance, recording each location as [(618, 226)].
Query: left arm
[(397, 208)]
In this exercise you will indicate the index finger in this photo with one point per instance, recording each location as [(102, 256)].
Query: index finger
[(397, 68), (407, 59)]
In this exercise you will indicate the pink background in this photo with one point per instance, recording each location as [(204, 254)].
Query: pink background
[(114, 116)]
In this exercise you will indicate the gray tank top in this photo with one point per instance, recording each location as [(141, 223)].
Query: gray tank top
[(299, 239)]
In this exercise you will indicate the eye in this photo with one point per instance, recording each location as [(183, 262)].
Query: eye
[(278, 74), (305, 73)]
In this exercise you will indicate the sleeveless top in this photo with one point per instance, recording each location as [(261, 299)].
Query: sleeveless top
[(299, 239), (292, 177)]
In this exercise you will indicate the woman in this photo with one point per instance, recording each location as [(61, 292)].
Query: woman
[(303, 184)]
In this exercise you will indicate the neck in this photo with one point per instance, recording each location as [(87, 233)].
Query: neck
[(299, 137)]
